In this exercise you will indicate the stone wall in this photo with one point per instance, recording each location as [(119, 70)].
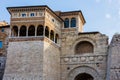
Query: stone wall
[(24, 61), (114, 59), (96, 60), (3, 52), (51, 64)]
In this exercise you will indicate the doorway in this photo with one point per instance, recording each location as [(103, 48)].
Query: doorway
[(84, 76)]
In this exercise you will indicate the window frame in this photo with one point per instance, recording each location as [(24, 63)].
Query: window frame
[(15, 15), (23, 15), (67, 23), (73, 22), (2, 30), (1, 44), (31, 14)]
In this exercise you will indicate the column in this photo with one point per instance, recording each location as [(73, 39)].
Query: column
[(44, 31), (35, 31), (18, 31), (27, 32)]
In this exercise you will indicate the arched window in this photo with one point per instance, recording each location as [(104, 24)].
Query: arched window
[(15, 31), (56, 38), (40, 30), (66, 23), (73, 22), (31, 31), (47, 32), (23, 31), (84, 47), (52, 35)]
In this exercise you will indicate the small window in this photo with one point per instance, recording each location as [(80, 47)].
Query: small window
[(40, 14), (66, 23), (15, 15), (73, 22), (2, 30), (1, 44), (52, 20), (23, 15), (32, 14)]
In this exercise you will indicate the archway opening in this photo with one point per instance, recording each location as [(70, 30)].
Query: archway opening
[(31, 31), (52, 35), (15, 31), (23, 30), (56, 38), (84, 76), (47, 32), (40, 30), (84, 47)]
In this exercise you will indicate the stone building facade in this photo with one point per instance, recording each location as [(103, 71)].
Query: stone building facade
[(51, 45), (3, 52)]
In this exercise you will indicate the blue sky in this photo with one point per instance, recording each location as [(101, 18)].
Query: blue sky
[(100, 15)]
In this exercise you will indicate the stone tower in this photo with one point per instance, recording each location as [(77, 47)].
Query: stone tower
[(83, 54), (34, 45)]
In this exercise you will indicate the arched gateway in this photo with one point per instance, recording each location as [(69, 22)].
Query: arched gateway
[(84, 76), (84, 73)]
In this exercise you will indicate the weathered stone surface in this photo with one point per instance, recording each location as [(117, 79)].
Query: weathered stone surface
[(114, 59), (96, 60), (51, 62), (24, 58)]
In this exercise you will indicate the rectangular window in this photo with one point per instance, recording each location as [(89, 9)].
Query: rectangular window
[(2, 30), (32, 14), (1, 44), (40, 14), (23, 15), (15, 15)]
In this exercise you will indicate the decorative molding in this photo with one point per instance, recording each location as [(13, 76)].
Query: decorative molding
[(76, 59)]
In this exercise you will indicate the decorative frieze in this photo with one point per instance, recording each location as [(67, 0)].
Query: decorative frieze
[(75, 59)]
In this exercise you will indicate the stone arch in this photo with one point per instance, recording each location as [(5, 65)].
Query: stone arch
[(84, 47), (31, 30), (40, 30), (93, 42), (23, 30), (15, 31), (83, 69)]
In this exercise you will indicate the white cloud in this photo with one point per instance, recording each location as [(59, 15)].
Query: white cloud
[(108, 16)]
